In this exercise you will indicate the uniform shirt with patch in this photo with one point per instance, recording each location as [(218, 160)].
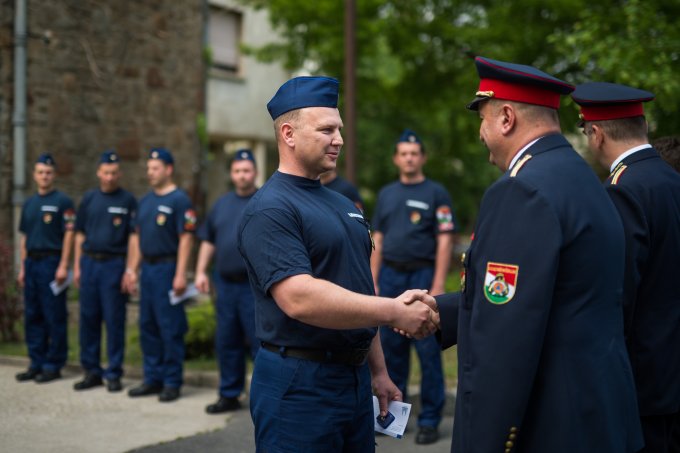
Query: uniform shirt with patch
[(221, 229), (294, 226), (45, 219), (161, 219), (106, 220), (410, 216)]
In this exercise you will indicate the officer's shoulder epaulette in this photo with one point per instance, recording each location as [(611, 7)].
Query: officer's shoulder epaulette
[(616, 174), (520, 163)]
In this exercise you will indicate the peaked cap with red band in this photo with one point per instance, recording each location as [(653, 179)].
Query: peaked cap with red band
[(602, 101), (517, 82)]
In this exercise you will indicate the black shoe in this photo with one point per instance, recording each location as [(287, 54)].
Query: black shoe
[(27, 375), (47, 376), (145, 390), (168, 394), (427, 435), (223, 404), (114, 385), (91, 380)]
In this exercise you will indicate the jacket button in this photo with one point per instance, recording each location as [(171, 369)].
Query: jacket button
[(509, 444)]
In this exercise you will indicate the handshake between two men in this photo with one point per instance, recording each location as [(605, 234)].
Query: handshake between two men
[(419, 315)]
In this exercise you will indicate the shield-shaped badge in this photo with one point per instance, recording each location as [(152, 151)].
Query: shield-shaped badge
[(500, 283)]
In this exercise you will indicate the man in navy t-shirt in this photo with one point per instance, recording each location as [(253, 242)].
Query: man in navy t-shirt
[(333, 181), (413, 233), (307, 251), (235, 305), (164, 230), (103, 226), (47, 223)]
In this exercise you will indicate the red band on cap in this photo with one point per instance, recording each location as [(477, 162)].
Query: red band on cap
[(520, 93), (611, 112)]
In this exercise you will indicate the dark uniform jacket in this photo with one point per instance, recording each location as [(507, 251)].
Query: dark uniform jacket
[(646, 192), (542, 364)]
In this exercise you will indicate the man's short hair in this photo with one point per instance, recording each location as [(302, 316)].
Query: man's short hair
[(669, 150), (624, 129), (291, 116)]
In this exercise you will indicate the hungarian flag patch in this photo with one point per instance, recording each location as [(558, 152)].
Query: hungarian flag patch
[(500, 282)]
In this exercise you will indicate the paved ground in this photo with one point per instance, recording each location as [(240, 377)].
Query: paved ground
[(52, 417)]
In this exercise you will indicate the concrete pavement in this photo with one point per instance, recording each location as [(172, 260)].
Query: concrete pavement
[(52, 417)]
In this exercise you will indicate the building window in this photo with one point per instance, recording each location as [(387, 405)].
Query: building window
[(224, 35)]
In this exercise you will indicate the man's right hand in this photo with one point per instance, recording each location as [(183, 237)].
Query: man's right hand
[(415, 317), (202, 282), (20, 277)]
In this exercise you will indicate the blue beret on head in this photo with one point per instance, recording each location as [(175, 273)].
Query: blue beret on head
[(408, 136), (517, 82), (109, 157), (161, 154), (602, 101), (302, 92), (244, 154), (47, 159)]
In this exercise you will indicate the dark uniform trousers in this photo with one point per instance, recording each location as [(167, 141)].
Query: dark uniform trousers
[(235, 322), (101, 299), (397, 348), (162, 326), (45, 315)]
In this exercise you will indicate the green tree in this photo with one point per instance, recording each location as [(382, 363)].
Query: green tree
[(415, 68)]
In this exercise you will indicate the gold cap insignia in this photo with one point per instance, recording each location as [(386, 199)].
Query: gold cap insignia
[(485, 94)]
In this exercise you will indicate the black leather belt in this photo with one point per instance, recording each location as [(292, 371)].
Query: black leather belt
[(40, 254), (350, 357), (408, 266), (235, 278), (160, 259), (98, 256)]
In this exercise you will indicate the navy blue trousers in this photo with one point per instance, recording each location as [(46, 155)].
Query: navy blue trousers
[(397, 348), (162, 327), (299, 405), (45, 315), (101, 300), (235, 324)]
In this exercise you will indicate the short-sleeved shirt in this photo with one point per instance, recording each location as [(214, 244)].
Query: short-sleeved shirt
[(45, 219), (410, 216), (292, 226), (106, 220), (343, 186), (221, 229), (160, 221)]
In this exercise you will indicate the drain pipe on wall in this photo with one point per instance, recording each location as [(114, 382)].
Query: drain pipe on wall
[(19, 123)]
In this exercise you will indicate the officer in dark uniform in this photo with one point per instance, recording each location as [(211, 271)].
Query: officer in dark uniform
[(165, 226), (103, 226), (47, 223), (235, 304), (413, 232), (646, 192), (541, 355), (307, 251), (333, 181)]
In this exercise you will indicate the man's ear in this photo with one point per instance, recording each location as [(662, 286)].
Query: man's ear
[(507, 118), (598, 136), (288, 134)]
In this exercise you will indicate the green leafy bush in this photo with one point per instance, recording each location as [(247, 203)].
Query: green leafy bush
[(200, 340)]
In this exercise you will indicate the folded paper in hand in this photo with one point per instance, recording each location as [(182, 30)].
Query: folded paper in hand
[(191, 291), (401, 412), (57, 288)]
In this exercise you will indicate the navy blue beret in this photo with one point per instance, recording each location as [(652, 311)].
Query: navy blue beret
[(517, 82), (244, 154), (302, 92), (109, 157), (609, 101), (161, 154), (408, 136), (46, 158)]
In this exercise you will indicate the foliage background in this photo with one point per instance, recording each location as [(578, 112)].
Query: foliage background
[(415, 69)]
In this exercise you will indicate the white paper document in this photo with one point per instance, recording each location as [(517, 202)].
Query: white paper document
[(191, 291), (57, 288), (401, 412)]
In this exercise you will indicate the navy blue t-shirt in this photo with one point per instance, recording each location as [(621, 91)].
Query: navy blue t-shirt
[(294, 226), (45, 219), (161, 219), (106, 220), (221, 229), (343, 186), (410, 216)]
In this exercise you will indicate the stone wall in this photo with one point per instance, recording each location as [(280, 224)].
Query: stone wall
[(124, 74)]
